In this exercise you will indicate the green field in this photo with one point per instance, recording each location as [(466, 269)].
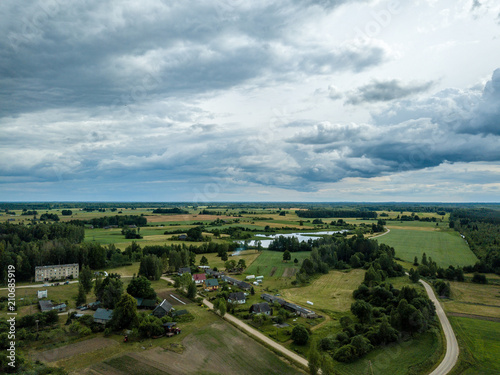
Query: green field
[(271, 262), (445, 248), (479, 345)]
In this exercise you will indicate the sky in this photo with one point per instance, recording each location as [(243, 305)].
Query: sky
[(234, 100)]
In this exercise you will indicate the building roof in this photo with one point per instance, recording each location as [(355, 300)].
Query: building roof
[(164, 305), (270, 298), (241, 284), (259, 308), (45, 305), (211, 282), (237, 296), (199, 277), (185, 270), (103, 314), (58, 265), (141, 302)]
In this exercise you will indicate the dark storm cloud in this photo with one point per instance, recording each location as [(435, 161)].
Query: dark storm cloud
[(385, 91), (88, 54), (452, 126)]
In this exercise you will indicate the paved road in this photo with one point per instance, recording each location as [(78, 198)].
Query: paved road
[(38, 285), (451, 356)]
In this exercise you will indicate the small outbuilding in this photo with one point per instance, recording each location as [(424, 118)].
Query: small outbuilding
[(162, 309)]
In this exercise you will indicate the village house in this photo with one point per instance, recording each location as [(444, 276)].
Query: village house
[(237, 297), (184, 270), (56, 272), (103, 316), (210, 285), (162, 309), (199, 278), (211, 272), (261, 308)]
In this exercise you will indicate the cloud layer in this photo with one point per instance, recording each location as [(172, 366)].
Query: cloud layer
[(175, 101)]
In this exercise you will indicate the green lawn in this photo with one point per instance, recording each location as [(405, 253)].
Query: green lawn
[(479, 345), (445, 248)]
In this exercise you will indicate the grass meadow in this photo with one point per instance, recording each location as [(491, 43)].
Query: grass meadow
[(479, 342), (444, 247), (475, 299)]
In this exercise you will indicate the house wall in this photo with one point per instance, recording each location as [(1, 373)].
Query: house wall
[(56, 272)]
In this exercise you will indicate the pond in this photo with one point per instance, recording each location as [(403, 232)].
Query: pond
[(268, 238)]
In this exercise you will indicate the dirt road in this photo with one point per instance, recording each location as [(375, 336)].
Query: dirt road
[(253, 332)]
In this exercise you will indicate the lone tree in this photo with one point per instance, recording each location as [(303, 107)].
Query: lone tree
[(81, 298), (300, 335), (191, 290), (414, 275), (140, 287), (203, 260), (287, 256), (125, 313), (220, 306), (151, 267), (86, 278)]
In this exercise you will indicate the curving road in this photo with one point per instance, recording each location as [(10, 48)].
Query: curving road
[(451, 356)]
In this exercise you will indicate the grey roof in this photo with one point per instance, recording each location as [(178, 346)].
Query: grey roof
[(237, 296), (241, 284), (185, 270), (45, 305), (262, 307), (164, 305), (103, 314), (58, 265), (270, 298)]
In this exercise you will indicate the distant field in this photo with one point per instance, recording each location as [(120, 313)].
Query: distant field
[(329, 292), (270, 263), (445, 248), (476, 299), (481, 341)]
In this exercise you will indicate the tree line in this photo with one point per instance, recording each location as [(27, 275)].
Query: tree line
[(118, 220), (481, 229), (336, 213)]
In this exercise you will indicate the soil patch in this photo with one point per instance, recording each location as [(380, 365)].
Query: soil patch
[(71, 350), (290, 272), (273, 271)]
